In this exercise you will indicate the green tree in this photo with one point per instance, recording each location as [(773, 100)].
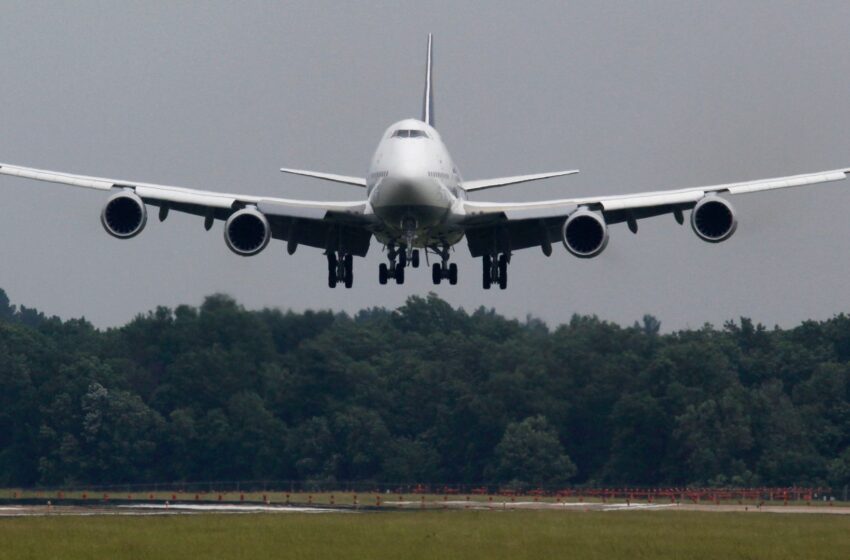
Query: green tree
[(531, 454)]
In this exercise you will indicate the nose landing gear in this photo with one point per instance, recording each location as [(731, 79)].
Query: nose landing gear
[(495, 270), (340, 269), (408, 253), (398, 260)]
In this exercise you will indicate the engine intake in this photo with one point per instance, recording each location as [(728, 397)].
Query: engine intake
[(247, 232), (124, 215), (585, 233), (713, 219)]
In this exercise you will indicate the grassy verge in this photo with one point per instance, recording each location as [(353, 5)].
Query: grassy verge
[(451, 534)]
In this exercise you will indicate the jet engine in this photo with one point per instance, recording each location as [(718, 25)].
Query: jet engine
[(713, 219), (124, 215), (247, 232), (584, 233)]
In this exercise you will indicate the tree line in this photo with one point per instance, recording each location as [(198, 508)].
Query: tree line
[(422, 393)]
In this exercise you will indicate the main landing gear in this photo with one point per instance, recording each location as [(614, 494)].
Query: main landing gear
[(444, 270), (495, 270), (340, 269), (398, 261)]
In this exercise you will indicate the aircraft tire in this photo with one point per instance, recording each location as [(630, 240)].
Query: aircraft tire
[(503, 272), (415, 259), (332, 262), (349, 271), (453, 274), (399, 274), (383, 273), (436, 274), (486, 278)]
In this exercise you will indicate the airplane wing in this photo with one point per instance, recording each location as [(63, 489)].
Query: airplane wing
[(481, 184), (300, 221), (532, 224)]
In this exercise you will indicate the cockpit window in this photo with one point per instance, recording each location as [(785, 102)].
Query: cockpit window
[(409, 134)]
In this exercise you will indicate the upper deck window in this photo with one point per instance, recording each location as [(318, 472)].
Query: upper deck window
[(409, 134)]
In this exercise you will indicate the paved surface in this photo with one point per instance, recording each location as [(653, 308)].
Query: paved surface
[(195, 509), (824, 509), (156, 509)]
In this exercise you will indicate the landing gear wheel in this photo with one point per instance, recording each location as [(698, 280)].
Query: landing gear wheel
[(414, 260), (402, 259), (503, 271), (437, 273), (332, 265), (383, 273), (486, 265), (399, 273), (453, 274), (348, 277)]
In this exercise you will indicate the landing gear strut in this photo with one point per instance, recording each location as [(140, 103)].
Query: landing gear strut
[(495, 270), (340, 269), (408, 253), (444, 270)]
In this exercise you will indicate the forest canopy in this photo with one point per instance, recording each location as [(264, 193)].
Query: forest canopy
[(422, 393)]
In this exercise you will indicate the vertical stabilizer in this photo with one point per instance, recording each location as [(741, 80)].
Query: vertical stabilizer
[(428, 100)]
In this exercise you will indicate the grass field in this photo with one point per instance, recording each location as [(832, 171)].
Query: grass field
[(434, 534)]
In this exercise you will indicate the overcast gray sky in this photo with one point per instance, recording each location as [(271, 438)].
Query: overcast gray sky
[(638, 95)]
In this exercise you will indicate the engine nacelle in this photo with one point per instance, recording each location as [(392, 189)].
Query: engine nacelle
[(124, 215), (585, 233), (247, 232), (713, 219)]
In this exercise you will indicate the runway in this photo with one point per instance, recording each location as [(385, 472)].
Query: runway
[(147, 509), (157, 509)]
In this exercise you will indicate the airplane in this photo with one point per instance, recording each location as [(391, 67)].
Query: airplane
[(416, 200)]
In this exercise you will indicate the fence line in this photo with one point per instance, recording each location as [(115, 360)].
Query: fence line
[(307, 491)]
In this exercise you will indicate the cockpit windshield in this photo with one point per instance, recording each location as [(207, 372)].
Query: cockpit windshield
[(410, 134)]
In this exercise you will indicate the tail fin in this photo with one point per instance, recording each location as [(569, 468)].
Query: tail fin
[(428, 101)]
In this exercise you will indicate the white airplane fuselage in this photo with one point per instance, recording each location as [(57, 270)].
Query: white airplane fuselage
[(414, 187)]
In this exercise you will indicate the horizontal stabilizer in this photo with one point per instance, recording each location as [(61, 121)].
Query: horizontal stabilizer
[(504, 181), (344, 179)]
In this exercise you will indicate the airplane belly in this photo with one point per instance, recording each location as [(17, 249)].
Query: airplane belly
[(426, 203)]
